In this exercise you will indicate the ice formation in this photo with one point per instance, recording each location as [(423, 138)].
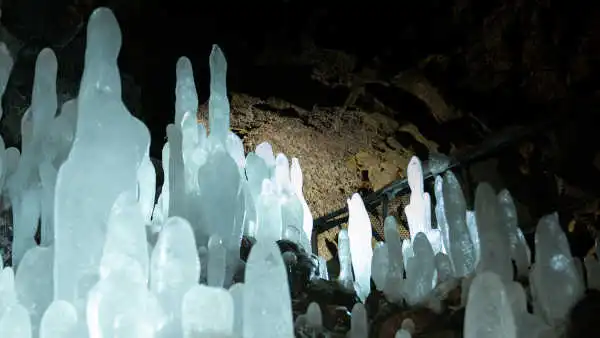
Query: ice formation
[(113, 264), (361, 252), (6, 64)]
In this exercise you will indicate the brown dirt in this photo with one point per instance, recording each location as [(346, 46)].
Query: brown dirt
[(340, 151)]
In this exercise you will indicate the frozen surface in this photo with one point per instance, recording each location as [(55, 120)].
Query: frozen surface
[(555, 279), (107, 151), (359, 234), (267, 302), (489, 313)]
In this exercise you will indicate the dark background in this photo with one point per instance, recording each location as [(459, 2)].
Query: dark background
[(504, 62)]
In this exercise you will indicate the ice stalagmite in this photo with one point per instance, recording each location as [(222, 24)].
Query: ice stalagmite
[(489, 312), (8, 294), (207, 312), (40, 115), (174, 269), (33, 283), (359, 327), (256, 172), (402, 334), (217, 256), (22, 186), (221, 201), (292, 211), (59, 321), (218, 103), (147, 187), (177, 197), (14, 318), (125, 236), (220, 185), (265, 151), (345, 276), (15, 322), (395, 274), (107, 151), (379, 265), (186, 97), (26, 213), (120, 305), (297, 182), (186, 108), (461, 249), (418, 211), (237, 294), (161, 209), (528, 325), (360, 232), (420, 271), (440, 216), (6, 65), (267, 302), (556, 282), (495, 246), (47, 174), (268, 211), (314, 316), (519, 250)]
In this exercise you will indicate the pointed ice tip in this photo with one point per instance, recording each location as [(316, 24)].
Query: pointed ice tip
[(186, 97), (390, 222), (216, 51), (46, 61), (44, 83), (414, 172), (549, 224), (414, 161), (296, 174), (450, 177), (184, 66), (485, 191), (217, 60), (103, 33)]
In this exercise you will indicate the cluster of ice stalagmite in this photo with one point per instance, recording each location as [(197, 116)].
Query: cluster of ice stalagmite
[(480, 247), (113, 264)]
